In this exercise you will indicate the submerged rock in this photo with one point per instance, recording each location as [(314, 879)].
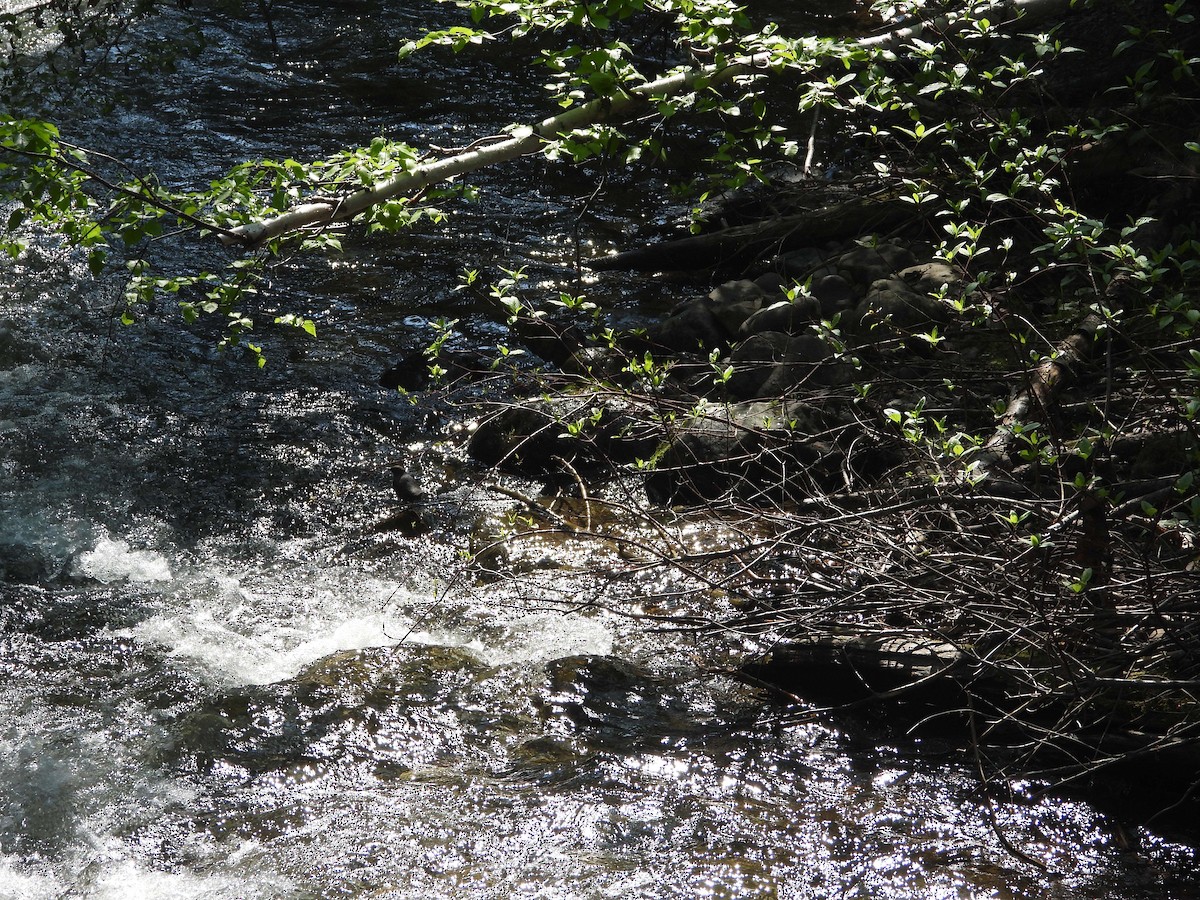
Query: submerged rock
[(25, 563)]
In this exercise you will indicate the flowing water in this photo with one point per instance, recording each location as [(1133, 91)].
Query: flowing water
[(218, 679)]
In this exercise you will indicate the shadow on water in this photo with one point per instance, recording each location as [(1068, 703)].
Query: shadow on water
[(216, 681)]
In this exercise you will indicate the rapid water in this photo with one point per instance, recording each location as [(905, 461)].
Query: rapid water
[(220, 679)]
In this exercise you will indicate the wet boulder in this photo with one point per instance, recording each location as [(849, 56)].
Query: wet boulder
[(735, 292), (892, 302), (25, 563), (412, 371), (773, 283), (536, 437), (693, 328), (603, 363), (808, 363), (864, 264), (322, 718), (753, 361), (798, 264), (756, 452), (896, 253), (734, 302), (709, 323), (834, 293), (774, 364)]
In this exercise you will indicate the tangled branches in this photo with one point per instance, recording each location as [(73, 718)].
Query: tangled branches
[(1041, 579)]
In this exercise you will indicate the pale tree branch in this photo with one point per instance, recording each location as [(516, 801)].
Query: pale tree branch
[(530, 139)]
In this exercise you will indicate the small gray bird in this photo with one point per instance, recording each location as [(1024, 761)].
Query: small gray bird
[(408, 489)]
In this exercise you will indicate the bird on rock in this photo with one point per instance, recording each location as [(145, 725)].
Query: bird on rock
[(408, 489)]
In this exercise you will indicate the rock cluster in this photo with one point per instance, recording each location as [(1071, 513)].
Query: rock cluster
[(729, 419)]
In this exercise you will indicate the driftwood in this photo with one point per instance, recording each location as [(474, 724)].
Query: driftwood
[(1039, 396), (745, 242), (1053, 374), (883, 660)]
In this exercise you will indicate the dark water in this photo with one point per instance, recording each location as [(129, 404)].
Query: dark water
[(218, 679)]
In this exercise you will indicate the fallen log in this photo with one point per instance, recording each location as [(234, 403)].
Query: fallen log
[(524, 140), (1043, 385), (746, 242), (1040, 394), (622, 106), (857, 664)]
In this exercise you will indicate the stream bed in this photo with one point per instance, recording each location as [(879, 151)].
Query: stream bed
[(219, 679)]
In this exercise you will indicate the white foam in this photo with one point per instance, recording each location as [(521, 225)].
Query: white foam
[(268, 653), (544, 637), (233, 635), (114, 560), (115, 878), (229, 633), (17, 885), (127, 880)]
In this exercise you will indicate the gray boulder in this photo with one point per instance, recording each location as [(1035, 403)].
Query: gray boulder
[(799, 264), (756, 452), (772, 283), (891, 301), (931, 277), (692, 329), (788, 316), (735, 292), (834, 293)]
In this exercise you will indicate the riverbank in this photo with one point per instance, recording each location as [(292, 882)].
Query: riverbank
[(846, 539), (964, 464)]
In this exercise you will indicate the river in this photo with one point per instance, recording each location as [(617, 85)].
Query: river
[(220, 679)]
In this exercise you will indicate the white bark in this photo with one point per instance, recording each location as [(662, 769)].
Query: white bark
[(311, 215), (316, 214), (1031, 11)]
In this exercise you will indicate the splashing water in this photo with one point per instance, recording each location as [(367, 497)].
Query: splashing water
[(218, 679)]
